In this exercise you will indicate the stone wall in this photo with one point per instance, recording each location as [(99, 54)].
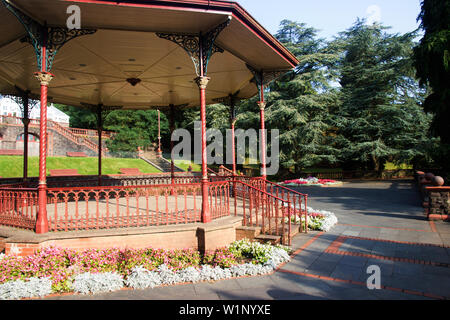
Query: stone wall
[(57, 144), (439, 200), (435, 196), (203, 237)]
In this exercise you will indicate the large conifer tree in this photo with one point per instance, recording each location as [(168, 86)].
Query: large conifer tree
[(299, 103), (380, 117)]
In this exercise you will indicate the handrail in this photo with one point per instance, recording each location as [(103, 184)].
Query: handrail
[(226, 169), (66, 132), (267, 203), (279, 186), (17, 189), (262, 191), (294, 194), (212, 171), (168, 185)]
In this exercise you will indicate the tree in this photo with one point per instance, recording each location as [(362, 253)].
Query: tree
[(432, 59), (298, 104), (79, 117), (134, 128), (380, 118)]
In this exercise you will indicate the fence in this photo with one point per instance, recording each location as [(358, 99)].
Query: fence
[(18, 207), (155, 201), (264, 210)]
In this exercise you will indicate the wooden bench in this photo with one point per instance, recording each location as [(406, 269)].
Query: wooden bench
[(131, 171), (64, 172), (76, 154), (11, 152)]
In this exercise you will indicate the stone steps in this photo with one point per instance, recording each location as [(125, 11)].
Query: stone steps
[(160, 163)]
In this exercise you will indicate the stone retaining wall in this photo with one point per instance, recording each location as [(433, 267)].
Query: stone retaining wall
[(435, 196), (439, 200), (203, 237)]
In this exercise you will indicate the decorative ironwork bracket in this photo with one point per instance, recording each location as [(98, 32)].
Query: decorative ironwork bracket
[(229, 100), (25, 100), (199, 47), (263, 78), (39, 36)]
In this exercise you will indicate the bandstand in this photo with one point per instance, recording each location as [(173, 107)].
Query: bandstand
[(134, 55)]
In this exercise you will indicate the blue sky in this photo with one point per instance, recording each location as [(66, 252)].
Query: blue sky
[(332, 16)]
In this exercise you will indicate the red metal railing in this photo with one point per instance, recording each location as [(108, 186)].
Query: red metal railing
[(212, 172), (267, 211), (90, 133), (223, 171), (122, 207), (69, 133), (132, 206), (299, 201), (66, 132), (219, 199), (154, 201), (18, 207)]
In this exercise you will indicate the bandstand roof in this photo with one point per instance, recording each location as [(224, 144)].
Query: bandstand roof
[(93, 68)]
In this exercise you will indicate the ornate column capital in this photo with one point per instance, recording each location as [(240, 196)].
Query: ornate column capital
[(262, 105), (44, 77), (202, 82)]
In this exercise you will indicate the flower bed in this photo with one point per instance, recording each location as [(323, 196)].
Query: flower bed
[(310, 181), (57, 270), (318, 220)]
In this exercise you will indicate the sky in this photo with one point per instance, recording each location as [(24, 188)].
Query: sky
[(333, 16)]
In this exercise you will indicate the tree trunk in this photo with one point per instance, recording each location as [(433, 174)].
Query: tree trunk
[(377, 166)]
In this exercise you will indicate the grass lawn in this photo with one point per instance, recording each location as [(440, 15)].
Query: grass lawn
[(12, 166), (184, 164), (391, 166)]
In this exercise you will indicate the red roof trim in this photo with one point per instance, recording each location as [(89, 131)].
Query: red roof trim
[(212, 6)]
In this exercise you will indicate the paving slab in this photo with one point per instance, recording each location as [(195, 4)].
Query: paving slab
[(347, 272), (385, 210)]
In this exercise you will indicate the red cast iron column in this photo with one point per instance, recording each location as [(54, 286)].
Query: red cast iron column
[(159, 134), (99, 130), (172, 129), (233, 146), (262, 106), (202, 83), (233, 142), (26, 123), (42, 221)]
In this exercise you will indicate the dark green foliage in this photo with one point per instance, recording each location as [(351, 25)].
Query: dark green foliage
[(134, 128), (380, 118), (353, 102), (79, 117), (299, 103), (432, 61)]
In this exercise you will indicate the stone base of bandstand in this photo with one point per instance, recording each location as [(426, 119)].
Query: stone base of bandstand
[(199, 236)]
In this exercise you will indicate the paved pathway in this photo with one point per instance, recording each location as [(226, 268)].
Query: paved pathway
[(380, 223)]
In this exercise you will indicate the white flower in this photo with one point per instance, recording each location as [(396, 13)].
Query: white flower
[(141, 278), (86, 283), (33, 287)]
